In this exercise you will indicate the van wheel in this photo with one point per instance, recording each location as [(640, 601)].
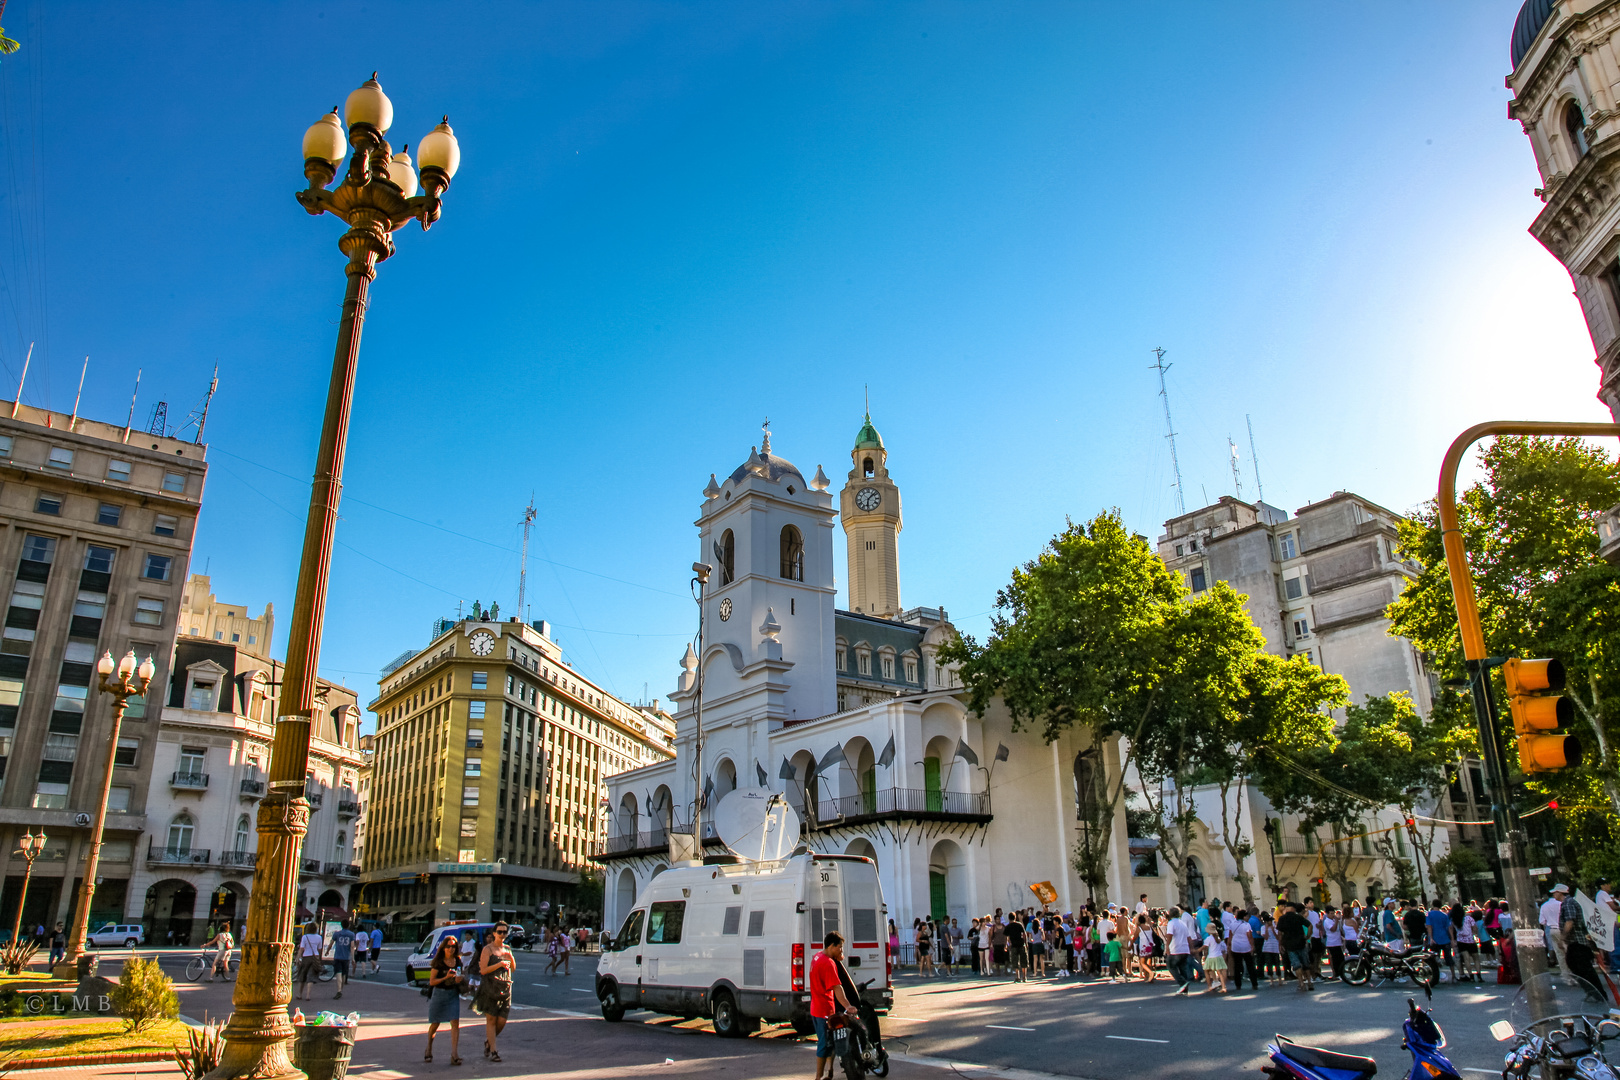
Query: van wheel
[(410, 975), (728, 1022), (612, 1010)]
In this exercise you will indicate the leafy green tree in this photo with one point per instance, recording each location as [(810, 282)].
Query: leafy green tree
[(1456, 866), (1530, 528)]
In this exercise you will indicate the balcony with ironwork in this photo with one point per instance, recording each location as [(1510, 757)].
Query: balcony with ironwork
[(309, 867), (348, 808), (252, 789), (169, 856), (314, 798), (239, 860), (902, 804), (191, 781), (345, 870), (649, 841)]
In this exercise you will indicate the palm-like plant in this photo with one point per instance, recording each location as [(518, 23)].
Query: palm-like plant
[(6, 44)]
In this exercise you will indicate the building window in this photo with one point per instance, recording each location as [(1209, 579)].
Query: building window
[(108, 514), (99, 559), (149, 612), (48, 504), (888, 668), (191, 760), (1181, 549), (253, 639), (475, 710), (219, 635), (41, 549), (243, 831), (50, 796), (157, 567), (475, 738), (725, 553), (173, 481), (61, 458), (181, 830), (90, 605), (129, 751), (864, 660), (1293, 588), (118, 470), (843, 661), (1287, 544), (118, 798), (1198, 582), (236, 637), (1192, 545), (480, 680), (474, 767), (1574, 124), (5, 446), (911, 670), (167, 525), (60, 747), (469, 796), (792, 550), (1302, 628)]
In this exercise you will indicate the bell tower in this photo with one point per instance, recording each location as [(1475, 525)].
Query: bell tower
[(1566, 96), (869, 507)]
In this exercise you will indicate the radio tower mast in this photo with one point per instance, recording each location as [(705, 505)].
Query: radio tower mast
[(1254, 458), (523, 569), (1237, 481), (1170, 429)]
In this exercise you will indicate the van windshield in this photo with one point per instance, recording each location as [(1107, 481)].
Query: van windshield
[(631, 933), (426, 946)]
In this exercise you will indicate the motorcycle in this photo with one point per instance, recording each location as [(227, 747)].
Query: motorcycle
[(1388, 961), (1566, 1043), (858, 1043), (1420, 1035)]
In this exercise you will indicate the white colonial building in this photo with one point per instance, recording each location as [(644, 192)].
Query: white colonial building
[(847, 713)]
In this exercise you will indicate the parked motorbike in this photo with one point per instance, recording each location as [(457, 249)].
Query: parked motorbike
[(1566, 1043), (1381, 962), (1421, 1036), (858, 1043)]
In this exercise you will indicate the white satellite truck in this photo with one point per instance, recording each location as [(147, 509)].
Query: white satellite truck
[(732, 937)]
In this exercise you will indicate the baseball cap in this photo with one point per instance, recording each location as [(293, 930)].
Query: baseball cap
[(1560, 887)]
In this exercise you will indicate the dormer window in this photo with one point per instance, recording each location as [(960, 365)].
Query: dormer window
[(201, 697), (1575, 125)]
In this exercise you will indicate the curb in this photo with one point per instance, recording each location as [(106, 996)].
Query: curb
[(81, 1060)]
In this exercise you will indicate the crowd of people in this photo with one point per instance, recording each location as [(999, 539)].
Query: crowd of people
[(1218, 944)]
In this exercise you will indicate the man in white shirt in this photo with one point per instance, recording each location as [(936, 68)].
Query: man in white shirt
[(1141, 904), (1605, 899), (311, 947), (1549, 916), (1180, 958)]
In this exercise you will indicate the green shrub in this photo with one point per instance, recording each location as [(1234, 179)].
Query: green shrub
[(202, 1056), (144, 994), (15, 955)]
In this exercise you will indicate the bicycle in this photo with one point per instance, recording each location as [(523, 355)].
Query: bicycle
[(203, 964)]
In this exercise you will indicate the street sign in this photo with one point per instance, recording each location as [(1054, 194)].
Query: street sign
[(1539, 871)]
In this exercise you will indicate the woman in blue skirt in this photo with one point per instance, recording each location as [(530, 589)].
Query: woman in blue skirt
[(444, 1003)]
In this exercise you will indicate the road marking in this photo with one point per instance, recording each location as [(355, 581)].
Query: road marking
[(1487, 1072), (1004, 1027), (1129, 1038), (581, 990), (571, 1012), (539, 984), (907, 1019)]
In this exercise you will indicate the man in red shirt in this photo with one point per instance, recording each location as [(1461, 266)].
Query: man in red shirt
[(826, 998)]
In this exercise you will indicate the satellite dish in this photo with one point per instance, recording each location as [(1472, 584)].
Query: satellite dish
[(757, 824)]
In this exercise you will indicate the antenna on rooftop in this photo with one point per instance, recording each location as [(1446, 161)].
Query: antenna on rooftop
[(1237, 481), (199, 413), (159, 423), (523, 568), (1254, 458), (130, 423), (1170, 429)]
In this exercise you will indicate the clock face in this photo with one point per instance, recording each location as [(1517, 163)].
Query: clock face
[(725, 609), (482, 644), (867, 499)]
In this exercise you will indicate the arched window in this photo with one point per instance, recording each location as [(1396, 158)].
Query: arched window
[(725, 554), (341, 845), (181, 830), (1086, 768), (243, 830), (1575, 124), (792, 553), (1195, 882), (867, 469)]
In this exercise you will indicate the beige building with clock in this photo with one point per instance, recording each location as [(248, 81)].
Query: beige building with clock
[(869, 507)]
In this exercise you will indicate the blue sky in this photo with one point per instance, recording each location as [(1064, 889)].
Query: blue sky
[(674, 220)]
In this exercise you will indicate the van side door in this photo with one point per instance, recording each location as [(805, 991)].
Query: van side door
[(628, 945), (666, 920)]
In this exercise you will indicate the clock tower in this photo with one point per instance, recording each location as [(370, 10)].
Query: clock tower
[(869, 506)]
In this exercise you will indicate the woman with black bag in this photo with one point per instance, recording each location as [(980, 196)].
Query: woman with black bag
[(445, 983)]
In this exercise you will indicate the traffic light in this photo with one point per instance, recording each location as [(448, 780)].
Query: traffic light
[(1536, 714)]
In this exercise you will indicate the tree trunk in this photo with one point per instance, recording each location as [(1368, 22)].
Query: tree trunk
[(1233, 838), (1606, 767)]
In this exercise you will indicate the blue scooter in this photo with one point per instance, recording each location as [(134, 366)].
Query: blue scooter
[(1422, 1036)]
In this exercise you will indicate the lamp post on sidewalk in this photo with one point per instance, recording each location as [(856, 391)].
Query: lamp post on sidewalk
[(32, 847), (377, 196), (130, 682)]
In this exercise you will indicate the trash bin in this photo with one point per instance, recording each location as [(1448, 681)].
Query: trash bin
[(322, 1052)]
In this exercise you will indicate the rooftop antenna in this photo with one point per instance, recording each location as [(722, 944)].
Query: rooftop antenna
[(1237, 481), (15, 405), (159, 423), (199, 413), (1170, 429), (73, 421), (523, 569), (133, 394), (1254, 458)]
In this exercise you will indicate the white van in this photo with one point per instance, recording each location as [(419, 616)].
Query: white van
[(733, 940)]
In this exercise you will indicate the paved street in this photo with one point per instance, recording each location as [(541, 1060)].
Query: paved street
[(1091, 1030)]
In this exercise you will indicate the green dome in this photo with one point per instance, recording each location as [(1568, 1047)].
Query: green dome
[(868, 438)]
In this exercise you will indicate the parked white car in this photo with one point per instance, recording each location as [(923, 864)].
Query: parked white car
[(116, 934)]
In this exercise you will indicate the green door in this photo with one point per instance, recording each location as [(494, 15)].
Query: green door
[(936, 895), (934, 800), (869, 791)]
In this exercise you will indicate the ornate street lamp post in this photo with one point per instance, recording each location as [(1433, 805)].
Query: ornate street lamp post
[(31, 848), (130, 682), (376, 197)]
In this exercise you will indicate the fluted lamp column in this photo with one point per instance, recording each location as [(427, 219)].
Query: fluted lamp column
[(128, 681), (30, 848), (378, 195)]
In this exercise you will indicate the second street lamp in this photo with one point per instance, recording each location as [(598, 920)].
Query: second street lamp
[(376, 197), (131, 682), (30, 849)]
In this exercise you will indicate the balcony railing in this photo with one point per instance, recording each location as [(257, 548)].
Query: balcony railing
[(309, 866), (314, 798), (348, 808), (922, 804), (239, 860), (193, 780), (253, 789), (167, 856), (342, 870)]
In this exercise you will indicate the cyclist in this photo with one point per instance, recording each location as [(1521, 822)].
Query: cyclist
[(222, 943)]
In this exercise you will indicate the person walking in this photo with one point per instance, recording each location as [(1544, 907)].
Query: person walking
[(1550, 917), (496, 967), (1142, 941), (998, 947), (1333, 940), (1389, 923), (894, 943), (1609, 906), (1240, 946), (953, 948), (973, 936), (1467, 943), (376, 948), (1214, 959), (1578, 950), (1441, 939), (1270, 949), (343, 940), (311, 949), (1179, 950), (1017, 950), (58, 943), (445, 983), (362, 947), (1295, 931), (1111, 956), (222, 945), (925, 948)]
